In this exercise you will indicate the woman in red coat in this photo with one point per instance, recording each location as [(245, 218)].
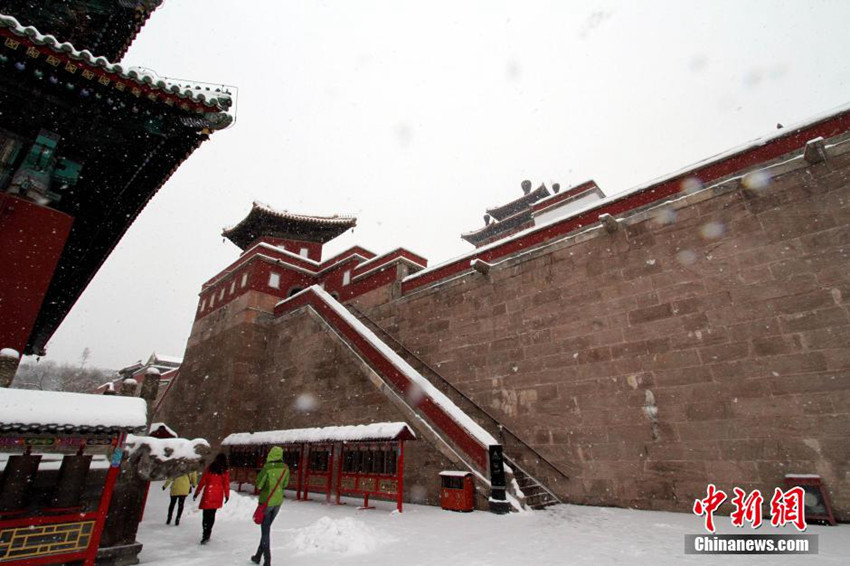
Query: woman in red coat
[(215, 484)]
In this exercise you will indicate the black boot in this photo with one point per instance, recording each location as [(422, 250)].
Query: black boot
[(255, 559)]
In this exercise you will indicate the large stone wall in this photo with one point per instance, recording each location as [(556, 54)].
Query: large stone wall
[(705, 341), (289, 372)]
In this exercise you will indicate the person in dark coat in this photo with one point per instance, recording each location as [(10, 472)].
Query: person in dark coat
[(271, 481), (215, 485)]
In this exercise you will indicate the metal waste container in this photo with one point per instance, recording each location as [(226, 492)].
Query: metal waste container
[(457, 491)]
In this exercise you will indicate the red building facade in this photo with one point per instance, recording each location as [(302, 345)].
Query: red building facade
[(282, 255)]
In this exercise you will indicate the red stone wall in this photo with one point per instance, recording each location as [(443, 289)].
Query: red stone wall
[(705, 341), (279, 374)]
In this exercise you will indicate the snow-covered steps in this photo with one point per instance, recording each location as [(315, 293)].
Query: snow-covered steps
[(535, 495), (531, 491), (427, 409)]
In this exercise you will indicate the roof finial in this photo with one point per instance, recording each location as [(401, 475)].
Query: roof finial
[(526, 186), (486, 219), (556, 187)]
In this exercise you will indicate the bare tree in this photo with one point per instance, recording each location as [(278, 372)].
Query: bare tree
[(37, 375), (84, 357), (50, 376)]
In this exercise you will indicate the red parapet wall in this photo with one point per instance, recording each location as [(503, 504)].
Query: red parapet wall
[(31, 240), (707, 172), (380, 363)]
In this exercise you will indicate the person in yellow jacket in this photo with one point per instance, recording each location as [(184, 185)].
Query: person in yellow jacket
[(181, 486)]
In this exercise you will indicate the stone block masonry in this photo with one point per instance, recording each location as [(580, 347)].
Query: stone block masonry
[(702, 340), (290, 372), (705, 342)]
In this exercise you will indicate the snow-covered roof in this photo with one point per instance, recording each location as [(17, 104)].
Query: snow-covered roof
[(335, 219), (160, 359), (156, 426), (264, 220), (355, 433), (58, 411), (455, 474), (219, 97)]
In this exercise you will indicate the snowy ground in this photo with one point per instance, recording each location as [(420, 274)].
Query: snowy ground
[(312, 533)]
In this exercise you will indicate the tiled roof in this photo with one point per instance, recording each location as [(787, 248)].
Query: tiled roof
[(509, 209), (213, 98), (265, 220), (335, 219)]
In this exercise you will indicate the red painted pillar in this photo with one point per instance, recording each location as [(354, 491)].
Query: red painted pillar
[(400, 473), (32, 238), (144, 502), (330, 474), (105, 498), (305, 471), (339, 474)]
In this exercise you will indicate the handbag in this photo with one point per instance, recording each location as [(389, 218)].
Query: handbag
[(260, 511)]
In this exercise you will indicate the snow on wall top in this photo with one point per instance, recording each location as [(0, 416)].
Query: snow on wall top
[(220, 97), (355, 433), (9, 353), (426, 387), (788, 131), (32, 409)]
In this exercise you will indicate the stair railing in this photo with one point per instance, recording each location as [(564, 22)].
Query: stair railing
[(502, 429)]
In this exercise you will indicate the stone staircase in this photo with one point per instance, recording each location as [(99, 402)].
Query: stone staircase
[(518, 455), (536, 495)]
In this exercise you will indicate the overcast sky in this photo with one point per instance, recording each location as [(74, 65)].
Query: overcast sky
[(416, 116)]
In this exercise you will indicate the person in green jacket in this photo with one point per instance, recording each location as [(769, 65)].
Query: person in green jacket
[(271, 481), (181, 486)]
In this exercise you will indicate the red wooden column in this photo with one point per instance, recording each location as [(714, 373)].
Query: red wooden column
[(400, 474), (330, 474), (304, 475), (105, 498), (339, 474)]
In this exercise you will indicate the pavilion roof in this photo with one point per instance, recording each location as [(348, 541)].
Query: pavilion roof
[(525, 201), (136, 81), (104, 27), (352, 433), (498, 227), (263, 220), (27, 411)]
